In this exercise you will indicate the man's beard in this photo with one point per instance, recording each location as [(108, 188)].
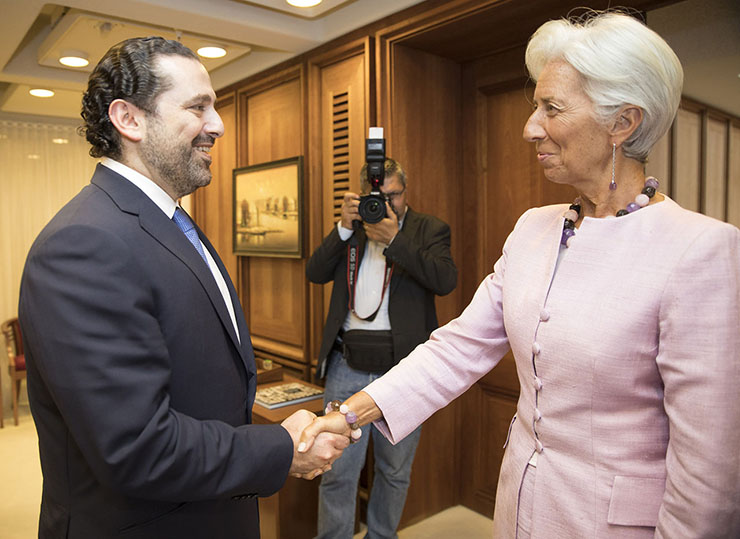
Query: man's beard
[(176, 164)]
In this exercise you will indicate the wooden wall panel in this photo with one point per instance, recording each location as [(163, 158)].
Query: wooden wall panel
[(686, 182), (733, 180), (274, 127), (506, 181), (213, 204), (276, 286), (715, 168), (425, 126), (482, 448), (343, 133), (338, 83), (514, 181), (659, 163)]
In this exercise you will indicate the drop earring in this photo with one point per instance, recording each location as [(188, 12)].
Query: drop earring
[(613, 184)]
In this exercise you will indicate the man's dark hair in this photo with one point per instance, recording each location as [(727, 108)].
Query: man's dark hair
[(127, 71), (391, 167)]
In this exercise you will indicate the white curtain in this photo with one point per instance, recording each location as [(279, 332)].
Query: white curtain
[(42, 166)]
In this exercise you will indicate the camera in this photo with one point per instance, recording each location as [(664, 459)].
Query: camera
[(372, 206)]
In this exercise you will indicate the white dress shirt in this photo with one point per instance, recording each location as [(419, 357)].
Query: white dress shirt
[(369, 295)]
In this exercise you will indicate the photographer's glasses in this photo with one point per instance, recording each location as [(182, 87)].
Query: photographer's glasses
[(394, 194)]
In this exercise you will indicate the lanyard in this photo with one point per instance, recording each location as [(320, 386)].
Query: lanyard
[(353, 267)]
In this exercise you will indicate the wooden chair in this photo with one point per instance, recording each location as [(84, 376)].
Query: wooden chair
[(16, 360)]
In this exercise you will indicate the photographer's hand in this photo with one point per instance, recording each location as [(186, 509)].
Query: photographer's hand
[(350, 209), (385, 230)]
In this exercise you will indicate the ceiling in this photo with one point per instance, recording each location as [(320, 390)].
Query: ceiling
[(257, 34), (261, 33)]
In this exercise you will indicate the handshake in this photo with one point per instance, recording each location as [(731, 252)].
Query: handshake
[(317, 441)]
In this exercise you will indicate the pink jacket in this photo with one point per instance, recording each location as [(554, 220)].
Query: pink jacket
[(636, 345)]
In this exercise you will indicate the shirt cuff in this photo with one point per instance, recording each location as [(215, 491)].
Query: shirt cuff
[(344, 233)]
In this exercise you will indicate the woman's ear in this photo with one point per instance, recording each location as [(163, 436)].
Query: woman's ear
[(128, 119), (627, 120)]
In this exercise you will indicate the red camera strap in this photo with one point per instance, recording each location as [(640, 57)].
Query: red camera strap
[(353, 266)]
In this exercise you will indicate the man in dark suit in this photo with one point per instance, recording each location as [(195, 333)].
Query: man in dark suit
[(385, 277), (141, 374)]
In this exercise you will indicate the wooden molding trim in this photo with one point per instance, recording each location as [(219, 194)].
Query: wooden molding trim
[(693, 105), (432, 16), (504, 86), (224, 100), (277, 348), (341, 52), (274, 79)]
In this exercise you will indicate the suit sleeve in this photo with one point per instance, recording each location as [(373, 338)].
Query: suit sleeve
[(699, 361), (428, 260), (91, 325), (320, 267)]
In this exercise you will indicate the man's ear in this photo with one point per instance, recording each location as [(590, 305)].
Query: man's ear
[(128, 119), (627, 120)]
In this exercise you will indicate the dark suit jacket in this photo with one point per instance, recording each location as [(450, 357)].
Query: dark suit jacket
[(139, 388), (423, 267)]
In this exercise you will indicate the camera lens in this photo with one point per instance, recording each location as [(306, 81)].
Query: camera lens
[(372, 208)]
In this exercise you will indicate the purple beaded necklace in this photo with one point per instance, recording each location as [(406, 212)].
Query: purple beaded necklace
[(572, 214)]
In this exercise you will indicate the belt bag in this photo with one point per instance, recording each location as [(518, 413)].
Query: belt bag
[(369, 351)]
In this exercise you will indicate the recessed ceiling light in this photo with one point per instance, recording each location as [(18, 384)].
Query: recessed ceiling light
[(212, 52), (304, 3), (60, 141), (74, 59), (34, 156), (40, 92)]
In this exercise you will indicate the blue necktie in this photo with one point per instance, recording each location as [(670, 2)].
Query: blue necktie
[(184, 223)]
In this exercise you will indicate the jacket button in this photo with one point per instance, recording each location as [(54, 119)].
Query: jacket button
[(537, 383), (537, 414), (536, 348), (538, 446), (544, 315)]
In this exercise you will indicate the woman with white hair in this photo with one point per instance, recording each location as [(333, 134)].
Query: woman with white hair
[(622, 311)]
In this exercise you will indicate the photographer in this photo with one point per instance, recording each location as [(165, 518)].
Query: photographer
[(385, 277)]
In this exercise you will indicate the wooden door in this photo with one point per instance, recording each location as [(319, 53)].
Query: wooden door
[(508, 180)]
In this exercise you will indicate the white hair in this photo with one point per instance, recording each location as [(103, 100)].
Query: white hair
[(622, 62)]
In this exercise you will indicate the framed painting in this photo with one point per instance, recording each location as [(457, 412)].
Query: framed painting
[(268, 209)]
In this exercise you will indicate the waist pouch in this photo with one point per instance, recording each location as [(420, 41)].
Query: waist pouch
[(369, 351)]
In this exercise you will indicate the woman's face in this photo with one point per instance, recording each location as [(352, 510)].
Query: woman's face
[(572, 146)]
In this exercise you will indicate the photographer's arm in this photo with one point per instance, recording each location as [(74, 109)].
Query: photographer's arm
[(430, 263), (323, 261)]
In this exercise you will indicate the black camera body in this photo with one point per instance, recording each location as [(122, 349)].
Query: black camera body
[(372, 206)]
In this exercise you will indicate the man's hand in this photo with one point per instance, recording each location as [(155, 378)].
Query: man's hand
[(326, 448), (350, 209), (385, 230)]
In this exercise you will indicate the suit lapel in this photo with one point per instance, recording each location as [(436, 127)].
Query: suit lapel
[(245, 347)]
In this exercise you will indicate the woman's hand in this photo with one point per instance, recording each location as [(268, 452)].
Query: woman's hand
[(334, 422), (326, 450)]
